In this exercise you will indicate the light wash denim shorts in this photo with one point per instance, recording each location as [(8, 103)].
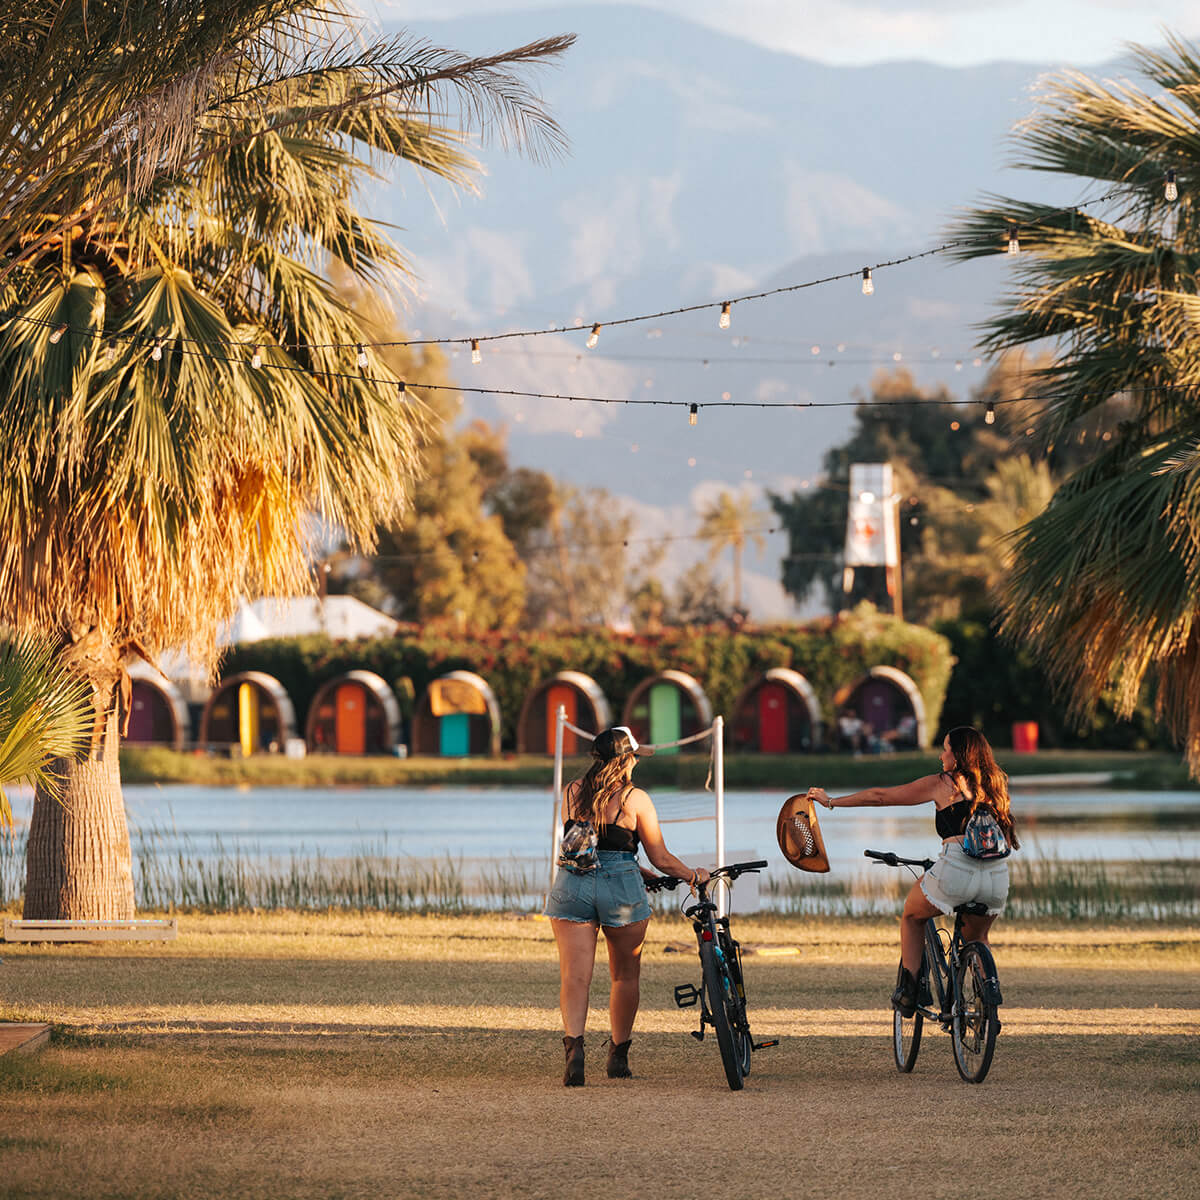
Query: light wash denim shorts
[(957, 878), (613, 894)]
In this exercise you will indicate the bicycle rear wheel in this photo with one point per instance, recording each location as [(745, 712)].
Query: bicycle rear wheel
[(718, 987), (976, 1021), (906, 1031)]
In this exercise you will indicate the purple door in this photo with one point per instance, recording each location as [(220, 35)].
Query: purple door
[(877, 703)]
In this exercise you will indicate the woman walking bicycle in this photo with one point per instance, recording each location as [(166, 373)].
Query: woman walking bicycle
[(970, 796), (599, 885)]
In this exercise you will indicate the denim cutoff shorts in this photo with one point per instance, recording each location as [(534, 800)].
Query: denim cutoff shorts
[(957, 878), (613, 894)]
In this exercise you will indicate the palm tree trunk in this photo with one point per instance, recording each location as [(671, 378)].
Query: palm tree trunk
[(737, 573), (78, 864)]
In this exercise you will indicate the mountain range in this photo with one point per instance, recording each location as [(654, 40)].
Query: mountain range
[(702, 167)]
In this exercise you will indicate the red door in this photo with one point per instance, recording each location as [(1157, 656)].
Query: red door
[(773, 718), (350, 719), (561, 693)]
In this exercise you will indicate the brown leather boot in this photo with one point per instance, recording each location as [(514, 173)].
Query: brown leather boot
[(573, 1075), (618, 1060)]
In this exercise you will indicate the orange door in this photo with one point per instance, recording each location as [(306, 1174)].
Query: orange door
[(350, 719), (558, 694)]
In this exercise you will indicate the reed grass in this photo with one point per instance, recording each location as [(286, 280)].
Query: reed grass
[(173, 874)]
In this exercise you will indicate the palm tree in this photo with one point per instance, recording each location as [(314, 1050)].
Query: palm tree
[(1106, 580), (726, 522), (45, 714), (180, 375)]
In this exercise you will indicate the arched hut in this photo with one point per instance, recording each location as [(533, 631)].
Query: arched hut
[(585, 704), (158, 713), (777, 713), (667, 707), (354, 713), (889, 701), (456, 716), (250, 710)]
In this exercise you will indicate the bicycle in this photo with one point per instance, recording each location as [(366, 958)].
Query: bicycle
[(722, 991), (968, 991)]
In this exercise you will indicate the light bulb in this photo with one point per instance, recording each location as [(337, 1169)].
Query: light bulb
[(1170, 187), (476, 357), (56, 336), (1014, 242), (362, 355), (989, 417), (726, 317), (402, 389), (594, 336), (156, 353), (693, 414), (256, 358), (868, 282)]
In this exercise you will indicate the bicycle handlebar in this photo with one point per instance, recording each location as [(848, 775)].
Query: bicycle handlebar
[(894, 860), (730, 871)]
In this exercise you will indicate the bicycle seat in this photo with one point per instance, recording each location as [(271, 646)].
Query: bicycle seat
[(973, 909)]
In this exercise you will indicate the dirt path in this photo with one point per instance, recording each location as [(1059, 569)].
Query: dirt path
[(321, 1060)]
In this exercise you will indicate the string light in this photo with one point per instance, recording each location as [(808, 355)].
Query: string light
[(402, 390), (362, 356), (989, 417), (726, 317), (594, 336), (868, 286), (1014, 241), (256, 358), (156, 353), (1170, 187), (693, 414), (476, 356), (56, 335)]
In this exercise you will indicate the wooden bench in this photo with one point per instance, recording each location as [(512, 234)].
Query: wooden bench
[(16, 930)]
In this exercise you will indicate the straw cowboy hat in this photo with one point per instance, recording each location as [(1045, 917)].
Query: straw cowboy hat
[(799, 834)]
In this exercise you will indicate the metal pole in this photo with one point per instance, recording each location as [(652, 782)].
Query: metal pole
[(718, 736), (555, 823)]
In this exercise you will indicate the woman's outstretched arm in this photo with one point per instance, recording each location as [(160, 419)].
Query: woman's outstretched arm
[(921, 791)]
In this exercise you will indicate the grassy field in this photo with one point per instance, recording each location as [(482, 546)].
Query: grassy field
[(380, 1055), (792, 772)]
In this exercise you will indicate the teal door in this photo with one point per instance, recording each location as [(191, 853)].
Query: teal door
[(454, 735), (665, 719)]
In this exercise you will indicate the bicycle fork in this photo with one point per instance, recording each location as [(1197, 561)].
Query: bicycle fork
[(687, 995)]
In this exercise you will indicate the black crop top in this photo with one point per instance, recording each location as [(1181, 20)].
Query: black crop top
[(612, 837), (951, 820)]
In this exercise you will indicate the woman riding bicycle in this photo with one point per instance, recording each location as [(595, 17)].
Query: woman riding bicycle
[(601, 886), (970, 779)]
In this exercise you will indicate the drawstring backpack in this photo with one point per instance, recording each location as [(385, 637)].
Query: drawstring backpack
[(983, 836)]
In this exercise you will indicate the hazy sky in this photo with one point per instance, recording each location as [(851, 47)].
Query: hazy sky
[(951, 32)]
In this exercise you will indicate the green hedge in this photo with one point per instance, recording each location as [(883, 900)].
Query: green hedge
[(828, 653)]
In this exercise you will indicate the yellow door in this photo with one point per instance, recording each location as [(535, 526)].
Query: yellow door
[(248, 718)]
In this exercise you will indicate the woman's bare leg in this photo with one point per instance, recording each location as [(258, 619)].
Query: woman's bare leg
[(576, 958), (975, 929), (625, 969), (917, 910)]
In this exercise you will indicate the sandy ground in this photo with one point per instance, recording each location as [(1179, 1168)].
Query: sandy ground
[(347, 1057)]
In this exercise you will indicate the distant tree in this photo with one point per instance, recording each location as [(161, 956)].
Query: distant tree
[(1105, 581), (729, 521), (697, 598)]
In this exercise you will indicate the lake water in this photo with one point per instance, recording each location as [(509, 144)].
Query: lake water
[(512, 823)]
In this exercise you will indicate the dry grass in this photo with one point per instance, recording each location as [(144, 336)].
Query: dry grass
[(345, 1056)]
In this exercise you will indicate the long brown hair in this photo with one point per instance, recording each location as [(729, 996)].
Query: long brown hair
[(974, 761), (604, 777)]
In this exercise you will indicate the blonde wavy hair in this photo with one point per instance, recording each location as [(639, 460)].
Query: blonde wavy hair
[(975, 763), (596, 788)]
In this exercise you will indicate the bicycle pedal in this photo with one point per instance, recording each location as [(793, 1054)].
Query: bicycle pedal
[(686, 995), (698, 1034), (764, 1045)]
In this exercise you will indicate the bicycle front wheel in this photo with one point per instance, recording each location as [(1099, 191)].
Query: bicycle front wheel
[(976, 1021), (718, 987), (906, 1033)]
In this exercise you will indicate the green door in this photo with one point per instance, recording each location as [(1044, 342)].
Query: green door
[(455, 735), (665, 720)]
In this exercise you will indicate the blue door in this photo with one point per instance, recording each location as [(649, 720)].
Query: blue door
[(454, 734)]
